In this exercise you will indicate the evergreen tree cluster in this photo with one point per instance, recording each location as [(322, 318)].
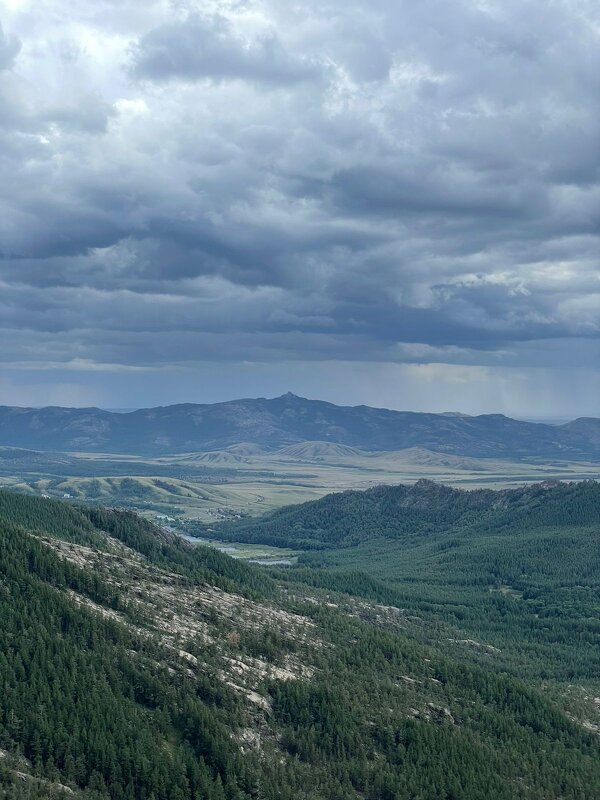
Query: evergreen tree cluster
[(347, 519), (90, 702)]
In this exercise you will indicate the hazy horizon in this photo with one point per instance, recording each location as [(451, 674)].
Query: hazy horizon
[(449, 412)]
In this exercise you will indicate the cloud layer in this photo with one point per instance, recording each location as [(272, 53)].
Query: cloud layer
[(330, 183)]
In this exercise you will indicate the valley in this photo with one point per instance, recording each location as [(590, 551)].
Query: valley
[(163, 669), (299, 400), (302, 620), (248, 480)]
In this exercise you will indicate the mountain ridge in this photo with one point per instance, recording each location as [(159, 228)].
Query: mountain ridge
[(406, 512), (290, 420)]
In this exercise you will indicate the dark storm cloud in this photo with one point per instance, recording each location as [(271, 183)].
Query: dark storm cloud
[(354, 181)]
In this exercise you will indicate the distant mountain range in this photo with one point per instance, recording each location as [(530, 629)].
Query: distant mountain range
[(290, 420)]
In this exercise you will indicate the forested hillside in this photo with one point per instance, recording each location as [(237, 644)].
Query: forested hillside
[(346, 519), (517, 569), (135, 666)]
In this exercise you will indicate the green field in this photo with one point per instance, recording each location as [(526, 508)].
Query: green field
[(257, 553)]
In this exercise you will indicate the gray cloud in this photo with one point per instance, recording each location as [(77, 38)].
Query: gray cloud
[(319, 182), (9, 49), (200, 47)]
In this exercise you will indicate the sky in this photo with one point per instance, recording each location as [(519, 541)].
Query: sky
[(387, 202)]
